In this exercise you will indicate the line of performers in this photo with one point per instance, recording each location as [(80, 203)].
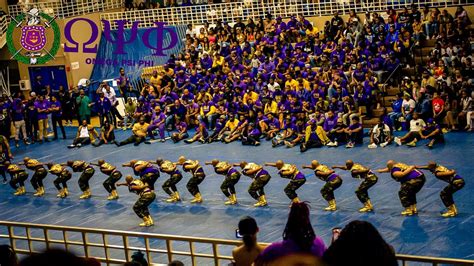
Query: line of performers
[(409, 176)]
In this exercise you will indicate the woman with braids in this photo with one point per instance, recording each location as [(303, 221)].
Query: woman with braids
[(114, 176), (87, 171), (290, 171), (197, 177), (145, 197), (298, 238), (232, 177), (332, 182), (63, 175), (39, 174), (18, 178), (249, 251), (360, 244)]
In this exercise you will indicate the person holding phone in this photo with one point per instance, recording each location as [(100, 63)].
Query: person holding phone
[(369, 179), (411, 182), (297, 179), (245, 255), (333, 182), (260, 179)]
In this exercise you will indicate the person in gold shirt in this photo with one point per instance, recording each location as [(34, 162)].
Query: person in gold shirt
[(369, 179), (139, 132)]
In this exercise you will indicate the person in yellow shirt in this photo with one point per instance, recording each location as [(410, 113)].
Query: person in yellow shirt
[(315, 137), (139, 132), (155, 79), (250, 95), (290, 82), (229, 127), (217, 62), (271, 106), (312, 31), (305, 83), (208, 112)]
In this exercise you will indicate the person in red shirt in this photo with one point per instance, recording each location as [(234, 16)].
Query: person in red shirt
[(438, 109)]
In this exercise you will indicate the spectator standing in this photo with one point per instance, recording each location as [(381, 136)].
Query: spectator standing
[(56, 116), (84, 107), (42, 106)]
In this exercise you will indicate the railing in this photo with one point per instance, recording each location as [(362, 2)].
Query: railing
[(115, 247), (284, 8), (3, 30), (69, 8)]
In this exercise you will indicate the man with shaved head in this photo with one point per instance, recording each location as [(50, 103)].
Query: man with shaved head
[(455, 183), (333, 182), (369, 179), (290, 171), (411, 181)]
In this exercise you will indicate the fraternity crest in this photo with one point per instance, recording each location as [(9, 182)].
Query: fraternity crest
[(33, 27), (33, 38)]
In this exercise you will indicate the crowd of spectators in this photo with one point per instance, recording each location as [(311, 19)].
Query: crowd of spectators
[(358, 243), (288, 82)]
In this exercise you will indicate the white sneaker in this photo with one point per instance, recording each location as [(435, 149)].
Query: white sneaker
[(350, 145), (398, 141), (373, 146), (330, 144), (383, 144)]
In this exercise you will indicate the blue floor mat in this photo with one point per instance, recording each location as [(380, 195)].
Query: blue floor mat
[(427, 234)]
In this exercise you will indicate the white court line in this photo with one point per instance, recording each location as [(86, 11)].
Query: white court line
[(44, 157)]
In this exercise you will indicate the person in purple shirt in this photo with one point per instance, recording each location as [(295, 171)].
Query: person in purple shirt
[(56, 115), (182, 129), (355, 132), (298, 238), (17, 111), (157, 122), (201, 134), (42, 106), (330, 122), (103, 107), (250, 135)]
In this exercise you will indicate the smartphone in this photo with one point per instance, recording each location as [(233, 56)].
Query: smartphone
[(336, 231), (237, 234)]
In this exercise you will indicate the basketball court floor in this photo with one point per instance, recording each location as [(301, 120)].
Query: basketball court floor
[(427, 234)]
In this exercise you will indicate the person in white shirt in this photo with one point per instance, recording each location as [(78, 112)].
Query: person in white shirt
[(109, 93), (416, 126), (380, 135)]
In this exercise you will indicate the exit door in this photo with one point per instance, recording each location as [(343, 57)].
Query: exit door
[(54, 76)]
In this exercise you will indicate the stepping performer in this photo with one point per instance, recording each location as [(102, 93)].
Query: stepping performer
[(114, 176), (18, 178), (147, 172), (290, 171), (260, 179), (63, 175), (145, 197), (369, 179), (87, 172), (232, 177), (411, 180), (455, 183), (175, 176), (333, 182), (197, 177), (39, 174)]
